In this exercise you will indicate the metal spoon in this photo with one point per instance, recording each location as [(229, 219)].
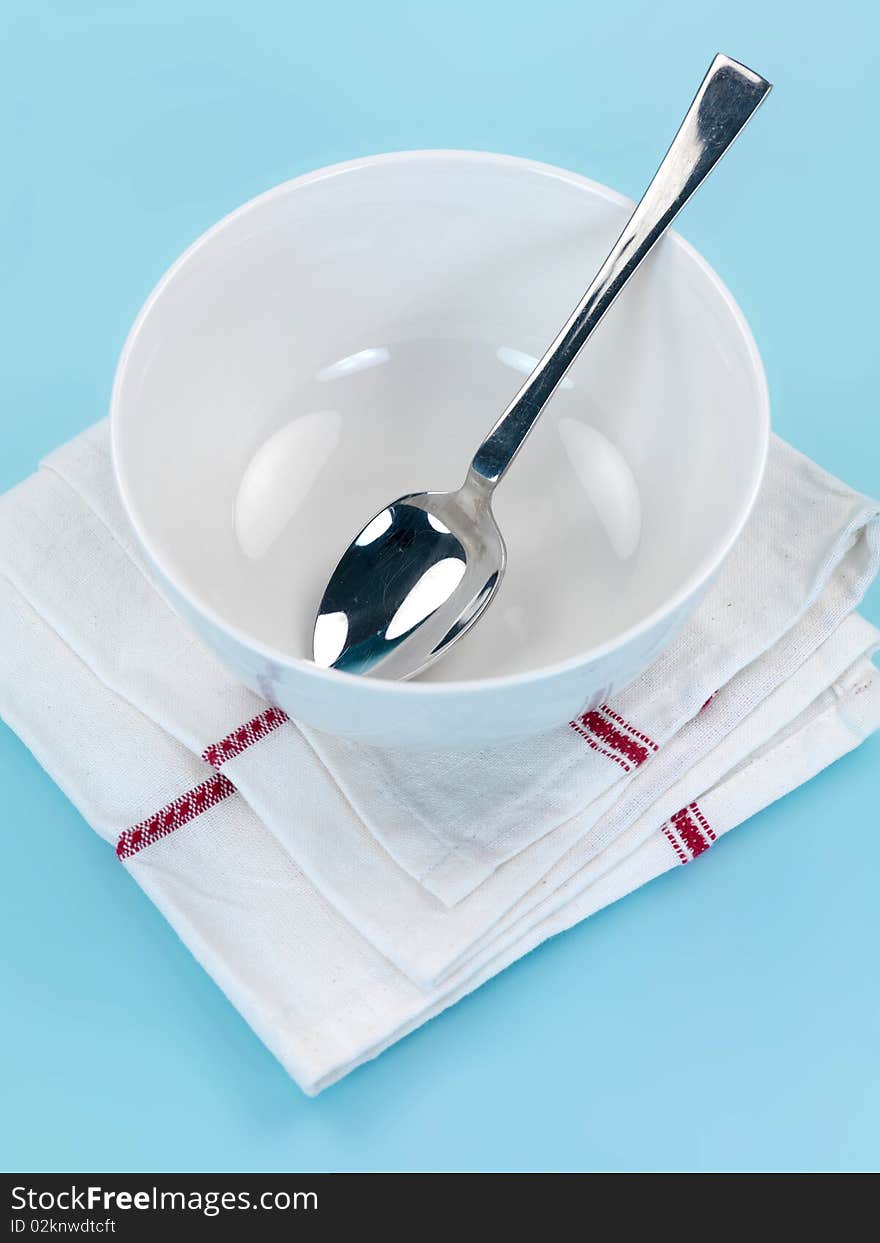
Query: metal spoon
[(425, 568)]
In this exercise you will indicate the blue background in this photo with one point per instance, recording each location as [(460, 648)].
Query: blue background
[(727, 1016)]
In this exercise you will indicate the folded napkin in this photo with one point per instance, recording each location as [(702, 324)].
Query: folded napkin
[(341, 894)]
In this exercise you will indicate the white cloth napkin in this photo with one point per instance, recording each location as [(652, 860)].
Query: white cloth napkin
[(341, 895)]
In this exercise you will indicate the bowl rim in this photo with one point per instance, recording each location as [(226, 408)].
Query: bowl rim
[(702, 574)]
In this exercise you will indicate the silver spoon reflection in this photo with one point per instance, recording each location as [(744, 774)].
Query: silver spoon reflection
[(424, 569)]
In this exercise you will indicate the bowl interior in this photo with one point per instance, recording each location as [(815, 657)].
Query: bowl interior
[(352, 336)]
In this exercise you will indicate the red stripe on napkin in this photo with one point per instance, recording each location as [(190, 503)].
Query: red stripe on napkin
[(701, 820), (689, 832), (609, 734), (683, 858), (245, 736), (202, 797), (629, 728), (581, 726), (171, 817)]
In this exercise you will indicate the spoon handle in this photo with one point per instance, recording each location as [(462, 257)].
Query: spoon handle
[(727, 97)]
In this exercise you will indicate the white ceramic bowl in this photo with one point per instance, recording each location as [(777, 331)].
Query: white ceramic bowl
[(353, 334)]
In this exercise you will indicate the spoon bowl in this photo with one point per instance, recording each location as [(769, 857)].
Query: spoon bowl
[(418, 575)]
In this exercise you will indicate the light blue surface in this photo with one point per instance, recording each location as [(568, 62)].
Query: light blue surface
[(726, 1017)]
